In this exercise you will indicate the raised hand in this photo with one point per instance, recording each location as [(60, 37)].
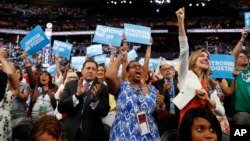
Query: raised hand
[(80, 87), (57, 56), (95, 91), (180, 13), (244, 34), (123, 50)]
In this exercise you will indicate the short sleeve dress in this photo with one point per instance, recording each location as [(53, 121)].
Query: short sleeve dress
[(129, 102)]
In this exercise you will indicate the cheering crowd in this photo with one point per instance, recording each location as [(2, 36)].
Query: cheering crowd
[(97, 105)]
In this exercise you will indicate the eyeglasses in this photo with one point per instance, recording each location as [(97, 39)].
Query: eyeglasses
[(135, 66), (164, 69), (72, 77)]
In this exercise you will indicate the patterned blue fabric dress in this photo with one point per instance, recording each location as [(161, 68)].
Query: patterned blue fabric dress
[(125, 126)]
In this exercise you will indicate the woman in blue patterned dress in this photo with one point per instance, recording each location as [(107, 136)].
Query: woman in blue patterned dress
[(134, 96)]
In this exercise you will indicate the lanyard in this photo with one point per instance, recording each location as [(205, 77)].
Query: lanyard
[(137, 92), (42, 91)]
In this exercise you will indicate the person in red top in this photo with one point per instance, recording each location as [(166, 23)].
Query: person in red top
[(194, 74)]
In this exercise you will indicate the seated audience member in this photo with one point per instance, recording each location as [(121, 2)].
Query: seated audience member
[(47, 128), (199, 124)]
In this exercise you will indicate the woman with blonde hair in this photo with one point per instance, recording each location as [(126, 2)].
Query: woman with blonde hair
[(196, 88)]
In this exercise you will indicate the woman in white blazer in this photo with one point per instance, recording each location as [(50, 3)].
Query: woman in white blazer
[(196, 88)]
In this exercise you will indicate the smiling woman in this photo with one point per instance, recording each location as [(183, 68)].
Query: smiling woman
[(197, 69)]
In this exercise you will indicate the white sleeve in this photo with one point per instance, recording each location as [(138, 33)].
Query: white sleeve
[(184, 54), (219, 109), (75, 100)]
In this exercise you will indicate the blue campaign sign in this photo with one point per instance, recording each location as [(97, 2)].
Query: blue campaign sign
[(108, 35), (62, 48), (100, 59), (107, 62), (153, 63), (141, 61), (77, 62), (34, 41), (52, 69), (247, 19), (137, 34), (132, 55), (222, 66), (94, 50)]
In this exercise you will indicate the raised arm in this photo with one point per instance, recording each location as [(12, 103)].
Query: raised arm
[(157, 70), (124, 53), (9, 70), (146, 61), (112, 54), (237, 49), (28, 67), (111, 74), (184, 48), (58, 67)]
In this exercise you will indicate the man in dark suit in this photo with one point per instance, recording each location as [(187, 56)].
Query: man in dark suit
[(167, 114), (85, 101)]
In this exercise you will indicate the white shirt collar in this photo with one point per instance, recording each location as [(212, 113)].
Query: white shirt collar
[(90, 83)]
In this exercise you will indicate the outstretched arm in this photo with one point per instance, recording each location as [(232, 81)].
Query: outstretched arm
[(146, 61), (237, 49), (112, 71), (9, 70), (184, 48), (124, 53), (58, 67)]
